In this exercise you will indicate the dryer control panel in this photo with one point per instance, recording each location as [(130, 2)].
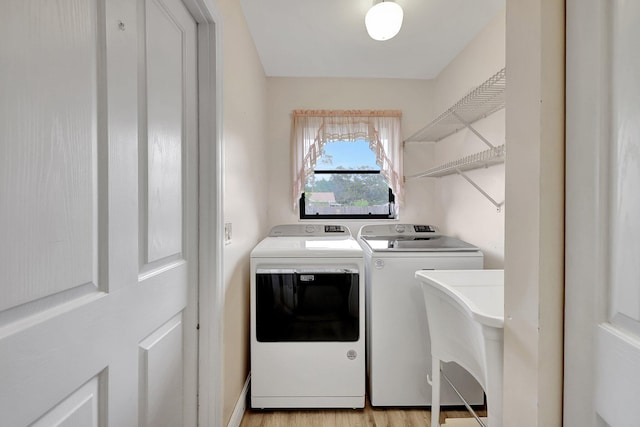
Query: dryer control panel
[(299, 230)]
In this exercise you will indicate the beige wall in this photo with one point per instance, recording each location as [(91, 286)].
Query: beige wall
[(534, 244), (245, 189), (413, 97), (467, 213)]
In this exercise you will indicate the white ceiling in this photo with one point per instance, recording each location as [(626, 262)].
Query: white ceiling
[(327, 38)]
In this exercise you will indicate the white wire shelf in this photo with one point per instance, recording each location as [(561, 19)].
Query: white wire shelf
[(483, 101), (486, 158)]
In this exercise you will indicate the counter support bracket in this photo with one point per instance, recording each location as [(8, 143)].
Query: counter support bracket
[(477, 187)]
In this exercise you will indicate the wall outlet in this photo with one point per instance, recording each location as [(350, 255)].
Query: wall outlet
[(227, 233)]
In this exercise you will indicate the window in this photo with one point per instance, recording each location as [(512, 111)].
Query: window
[(347, 183), (347, 164)]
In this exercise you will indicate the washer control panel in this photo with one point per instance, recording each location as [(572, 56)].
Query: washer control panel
[(381, 230), (424, 229)]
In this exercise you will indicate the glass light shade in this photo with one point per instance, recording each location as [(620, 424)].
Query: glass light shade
[(383, 20)]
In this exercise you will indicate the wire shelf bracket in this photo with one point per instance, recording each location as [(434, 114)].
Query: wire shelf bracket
[(472, 129), (484, 193), (490, 157)]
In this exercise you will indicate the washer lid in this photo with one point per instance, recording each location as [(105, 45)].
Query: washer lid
[(435, 243)]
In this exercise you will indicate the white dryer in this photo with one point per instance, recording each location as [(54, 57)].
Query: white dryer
[(398, 345), (307, 319)]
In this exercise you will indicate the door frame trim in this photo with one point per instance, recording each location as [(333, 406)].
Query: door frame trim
[(585, 207), (210, 218)]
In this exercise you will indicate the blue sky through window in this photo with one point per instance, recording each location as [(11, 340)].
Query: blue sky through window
[(348, 155)]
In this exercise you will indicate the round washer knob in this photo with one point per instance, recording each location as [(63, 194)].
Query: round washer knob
[(310, 228), (400, 228)]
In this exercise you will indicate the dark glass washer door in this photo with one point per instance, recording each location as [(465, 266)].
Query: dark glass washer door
[(307, 306)]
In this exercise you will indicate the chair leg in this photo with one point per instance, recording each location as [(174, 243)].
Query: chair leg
[(435, 392)]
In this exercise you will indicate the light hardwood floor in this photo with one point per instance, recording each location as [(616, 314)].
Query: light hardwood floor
[(367, 417)]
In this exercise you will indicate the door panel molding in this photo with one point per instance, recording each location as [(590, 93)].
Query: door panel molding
[(602, 300), (43, 309), (624, 169), (161, 379), (619, 357), (50, 213), (82, 408)]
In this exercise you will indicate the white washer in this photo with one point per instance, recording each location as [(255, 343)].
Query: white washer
[(398, 345), (307, 319)]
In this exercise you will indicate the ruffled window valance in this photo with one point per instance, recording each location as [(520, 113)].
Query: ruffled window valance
[(312, 129)]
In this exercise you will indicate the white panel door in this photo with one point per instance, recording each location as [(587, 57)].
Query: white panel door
[(98, 213), (602, 342)]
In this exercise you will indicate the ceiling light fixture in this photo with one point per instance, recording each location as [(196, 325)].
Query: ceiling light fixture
[(383, 20)]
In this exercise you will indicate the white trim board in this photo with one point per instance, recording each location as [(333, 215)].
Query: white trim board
[(211, 227), (241, 405)]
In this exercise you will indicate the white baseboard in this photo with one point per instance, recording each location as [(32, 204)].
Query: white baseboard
[(241, 405), (462, 422)]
